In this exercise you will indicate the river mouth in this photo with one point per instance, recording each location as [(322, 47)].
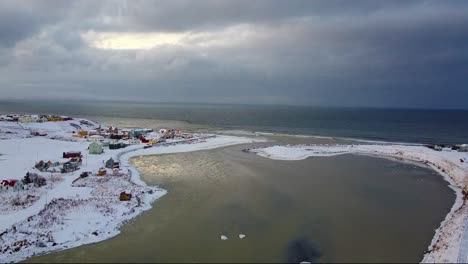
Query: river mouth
[(347, 208)]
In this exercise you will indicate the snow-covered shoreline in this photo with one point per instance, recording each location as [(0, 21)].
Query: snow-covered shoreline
[(75, 211), (448, 238)]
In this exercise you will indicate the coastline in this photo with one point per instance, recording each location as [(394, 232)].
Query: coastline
[(445, 238), (85, 211), (449, 236)]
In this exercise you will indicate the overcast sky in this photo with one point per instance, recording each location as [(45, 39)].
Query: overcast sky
[(336, 53)]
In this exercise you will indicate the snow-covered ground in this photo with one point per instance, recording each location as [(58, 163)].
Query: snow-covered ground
[(450, 240), (71, 211)]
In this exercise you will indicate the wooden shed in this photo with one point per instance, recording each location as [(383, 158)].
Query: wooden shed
[(125, 196)]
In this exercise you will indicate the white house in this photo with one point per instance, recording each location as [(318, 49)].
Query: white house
[(96, 138), (463, 148), (134, 141), (25, 119)]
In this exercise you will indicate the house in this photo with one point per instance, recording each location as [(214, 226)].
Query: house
[(82, 133), (19, 186), (42, 166), (136, 133), (143, 139), (125, 196), (70, 166), (101, 172), (71, 154), (42, 119), (113, 130), (54, 118), (437, 148), (117, 145), (111, 164), (463, 148), (95, 148), (116, 136), (14, 185), (96, 138), (134, 141), (8, 184), (185, 135), (25, 119)]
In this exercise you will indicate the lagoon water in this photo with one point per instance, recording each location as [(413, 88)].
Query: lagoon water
[(345, 208)]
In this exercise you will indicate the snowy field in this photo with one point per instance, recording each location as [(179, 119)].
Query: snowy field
[(450, 240), (70, 211)]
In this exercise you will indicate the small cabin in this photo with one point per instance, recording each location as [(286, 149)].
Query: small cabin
[(125, 196), (102, 172), (110, 163)]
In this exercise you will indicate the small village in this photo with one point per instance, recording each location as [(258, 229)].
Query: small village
[(61, 168), (100, 139)]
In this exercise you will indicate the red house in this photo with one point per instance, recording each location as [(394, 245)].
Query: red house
[(10, 183), (71, 154), (143, 139)]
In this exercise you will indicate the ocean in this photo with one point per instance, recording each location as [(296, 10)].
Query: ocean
[(395, 125)]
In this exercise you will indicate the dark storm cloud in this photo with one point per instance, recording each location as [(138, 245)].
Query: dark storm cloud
[(19, 20), (370, 53)]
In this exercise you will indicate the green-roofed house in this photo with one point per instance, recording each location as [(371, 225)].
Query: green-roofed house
[(95, 148)]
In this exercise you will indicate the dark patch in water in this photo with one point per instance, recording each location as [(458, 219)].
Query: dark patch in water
[(302, 249)]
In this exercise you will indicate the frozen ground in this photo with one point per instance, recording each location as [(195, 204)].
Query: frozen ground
[(451, 239), (68, 212)]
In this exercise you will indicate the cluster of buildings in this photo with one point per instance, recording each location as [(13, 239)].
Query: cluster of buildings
[(33, 118), (73, 164), (14, 185), (99, 138), (20, 185), (115, 138), (459, 148)]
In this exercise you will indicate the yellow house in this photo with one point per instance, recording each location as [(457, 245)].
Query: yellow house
[(55, 118), (81, 134)]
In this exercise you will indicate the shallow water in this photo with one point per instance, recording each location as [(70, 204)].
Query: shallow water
[(345, 208)]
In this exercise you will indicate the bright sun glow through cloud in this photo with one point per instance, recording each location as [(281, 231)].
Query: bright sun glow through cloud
[(126, 41)]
